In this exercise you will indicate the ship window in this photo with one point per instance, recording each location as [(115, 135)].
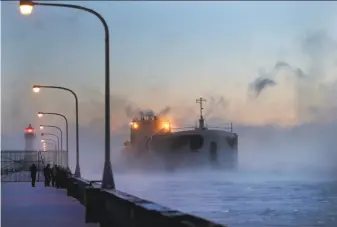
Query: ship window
[(178, 142), (196, 142)]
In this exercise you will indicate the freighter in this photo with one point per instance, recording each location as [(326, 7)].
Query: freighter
[(153, 142)]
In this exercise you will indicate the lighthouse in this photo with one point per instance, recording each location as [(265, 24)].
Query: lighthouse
[(29, 138)]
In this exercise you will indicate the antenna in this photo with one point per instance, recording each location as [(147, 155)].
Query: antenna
[(201, 120), (200, 101)]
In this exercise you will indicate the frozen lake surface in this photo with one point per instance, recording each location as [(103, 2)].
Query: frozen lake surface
[(239, 199)]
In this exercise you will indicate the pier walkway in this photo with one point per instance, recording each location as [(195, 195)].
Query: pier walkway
[(23, 205), (81, 203)]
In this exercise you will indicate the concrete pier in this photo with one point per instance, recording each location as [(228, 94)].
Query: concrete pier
[(78, 203), (25, 206)]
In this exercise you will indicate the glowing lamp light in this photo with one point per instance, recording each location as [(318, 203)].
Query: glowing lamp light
[(29, 129), (36, 88), (39, 114), (42, 141), (166, 126), (41, 127), (26, 7), (135, 125)]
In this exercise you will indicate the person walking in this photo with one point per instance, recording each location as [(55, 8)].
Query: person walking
[(54, 175), (47, 175), (58, 177), (33, 171)]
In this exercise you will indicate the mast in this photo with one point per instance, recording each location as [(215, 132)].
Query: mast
[(201, 119)]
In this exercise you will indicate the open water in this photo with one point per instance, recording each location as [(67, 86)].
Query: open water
[(239, 199)]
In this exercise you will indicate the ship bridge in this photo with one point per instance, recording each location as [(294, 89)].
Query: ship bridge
[(145, 126)]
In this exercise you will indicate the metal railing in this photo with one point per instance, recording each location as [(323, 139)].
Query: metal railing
[(15, 165), (227, 127)]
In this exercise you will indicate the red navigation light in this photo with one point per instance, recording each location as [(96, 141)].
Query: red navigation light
[(29, 129)]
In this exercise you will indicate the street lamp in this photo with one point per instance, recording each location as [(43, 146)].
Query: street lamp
[(26, 7), (51, 134), (50, 141), (55, 153), (45, 140), (52, 126), (40, 115), (41, 127), (36, 88)]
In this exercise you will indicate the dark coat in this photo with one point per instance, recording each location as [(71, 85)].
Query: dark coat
[(33, 170)]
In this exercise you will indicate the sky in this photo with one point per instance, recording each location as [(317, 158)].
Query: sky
[(167, 54)]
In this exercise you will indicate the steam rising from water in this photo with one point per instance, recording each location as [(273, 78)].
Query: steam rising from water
[(265, 153), (307, 149)]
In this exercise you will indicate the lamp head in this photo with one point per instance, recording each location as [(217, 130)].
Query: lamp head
[(26, 7), (39, 114), (41, 128), (36, 88)]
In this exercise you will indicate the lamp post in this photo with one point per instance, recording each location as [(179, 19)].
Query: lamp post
[(36, 89), (53, 126), (49, 141), (60, 152), (55, 153), (51, 134), (40, 114), (26, 8), (44, 146)]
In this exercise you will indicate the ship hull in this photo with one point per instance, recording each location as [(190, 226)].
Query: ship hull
[(195, 149)]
